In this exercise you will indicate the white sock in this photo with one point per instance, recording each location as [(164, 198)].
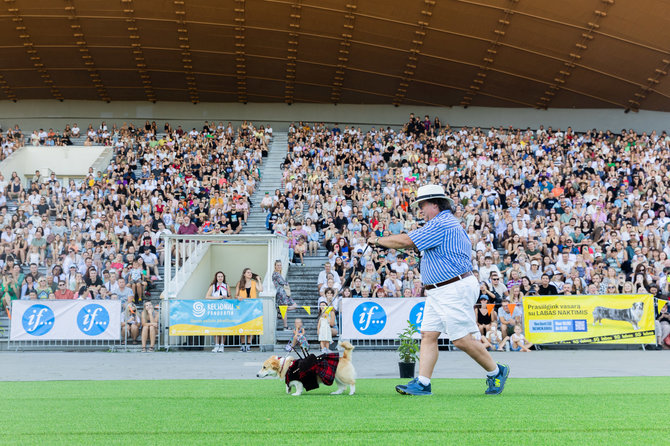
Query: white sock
[(424, 380), (493, 372)]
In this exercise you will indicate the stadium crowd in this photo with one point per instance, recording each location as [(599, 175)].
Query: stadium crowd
[(548, 211), (99, 237)]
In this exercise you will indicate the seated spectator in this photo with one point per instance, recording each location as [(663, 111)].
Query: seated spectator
[(498, 288), (484, 318), (486, 270), (299, 339), (509, 320), (518, 341), (28, 286), (123, 292), (149, 326), (130, 323), (496, 338), (545, 288), (393, 285), (323, 276), (43, 289)]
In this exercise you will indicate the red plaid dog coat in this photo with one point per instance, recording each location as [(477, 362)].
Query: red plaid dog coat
[(308, 369)]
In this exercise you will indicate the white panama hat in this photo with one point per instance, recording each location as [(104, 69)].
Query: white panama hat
[(429, 192)]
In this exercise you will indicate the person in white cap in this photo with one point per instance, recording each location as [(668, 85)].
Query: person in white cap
[(451, 289)]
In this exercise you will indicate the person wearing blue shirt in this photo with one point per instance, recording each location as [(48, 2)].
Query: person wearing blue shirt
[(451, 289), (396, 226)]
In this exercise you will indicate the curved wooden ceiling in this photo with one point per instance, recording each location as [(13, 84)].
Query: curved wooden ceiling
[(508, 53)]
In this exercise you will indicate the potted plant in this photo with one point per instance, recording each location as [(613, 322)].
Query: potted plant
[(408, 351)]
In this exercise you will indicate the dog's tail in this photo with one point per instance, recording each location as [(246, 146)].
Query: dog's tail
[(346, 345)]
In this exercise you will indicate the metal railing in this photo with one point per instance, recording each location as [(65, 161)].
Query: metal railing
[(188, 250)]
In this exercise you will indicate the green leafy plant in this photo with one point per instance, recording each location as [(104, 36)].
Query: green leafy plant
[(409, 347)]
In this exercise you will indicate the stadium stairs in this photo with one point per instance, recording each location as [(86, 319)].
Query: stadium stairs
[(271, 179), (303, 279)]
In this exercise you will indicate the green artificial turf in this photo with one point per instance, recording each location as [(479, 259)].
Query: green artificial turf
[(530, 411)]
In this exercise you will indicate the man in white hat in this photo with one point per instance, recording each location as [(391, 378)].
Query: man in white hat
[(451, 289)]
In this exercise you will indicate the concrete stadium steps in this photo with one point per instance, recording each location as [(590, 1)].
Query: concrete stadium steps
[(271, 179), (304, 291)]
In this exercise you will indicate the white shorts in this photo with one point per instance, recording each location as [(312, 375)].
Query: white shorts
[(450, 309)]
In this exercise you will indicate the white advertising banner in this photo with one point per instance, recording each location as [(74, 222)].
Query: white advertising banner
[(65, 320), (382, 318)]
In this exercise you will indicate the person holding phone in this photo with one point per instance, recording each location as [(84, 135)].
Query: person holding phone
[(248, 287)]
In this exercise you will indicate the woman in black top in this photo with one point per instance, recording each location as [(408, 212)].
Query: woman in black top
[(484, 318)]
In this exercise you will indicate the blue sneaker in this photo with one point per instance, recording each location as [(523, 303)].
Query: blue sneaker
[(414, 387), (497, 383)]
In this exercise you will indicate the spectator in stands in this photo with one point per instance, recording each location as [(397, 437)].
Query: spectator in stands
[(299, 339), (393, 285), (508, 320), (124, 293), (546, 288), (323, 276), (248, 287), (496, 338), (135, 279), (518, 341), (283, 291), (497, 288), (63, 292), (149, 326), (43, 289), (218, 289), (486, 270), (130, 323), (324, 327), (484, 317), (28, 286)]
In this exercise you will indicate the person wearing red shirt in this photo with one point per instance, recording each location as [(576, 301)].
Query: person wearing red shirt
[(63, 292)]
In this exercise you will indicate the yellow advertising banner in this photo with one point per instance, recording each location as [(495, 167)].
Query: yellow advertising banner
[(599, 319)]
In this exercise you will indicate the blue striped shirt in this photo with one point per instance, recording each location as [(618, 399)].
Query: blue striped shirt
[(445, 248)]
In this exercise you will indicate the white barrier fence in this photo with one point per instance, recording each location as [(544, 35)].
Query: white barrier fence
[(368, 319), (65, 320)]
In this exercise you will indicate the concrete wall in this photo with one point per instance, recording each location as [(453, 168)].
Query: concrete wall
[(67, 162), (231, 259), (31, 114)]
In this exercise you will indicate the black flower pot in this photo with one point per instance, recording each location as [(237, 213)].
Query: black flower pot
[(406, 369)]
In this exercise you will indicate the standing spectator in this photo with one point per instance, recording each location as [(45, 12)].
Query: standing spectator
[(218, 289), (248, 287), (282, 296), (662, 325), (326, 321), (149, 326)]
